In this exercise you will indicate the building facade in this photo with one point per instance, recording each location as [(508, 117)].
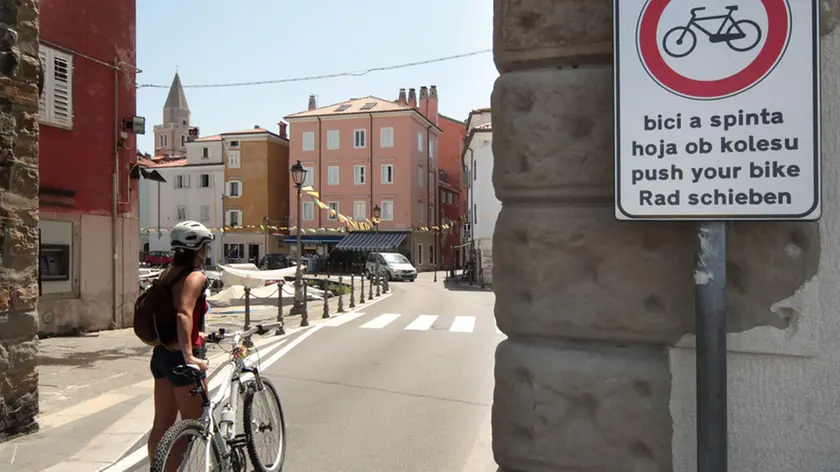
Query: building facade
[(255, 199), (451, 192), (88, 201), (192, 190), (482, 205), (369, 152)]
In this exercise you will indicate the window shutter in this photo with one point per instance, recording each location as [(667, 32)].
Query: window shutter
[(62, 92), (43, 108)]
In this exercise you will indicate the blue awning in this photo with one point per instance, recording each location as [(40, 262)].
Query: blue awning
[(314, 239), (358, 241)]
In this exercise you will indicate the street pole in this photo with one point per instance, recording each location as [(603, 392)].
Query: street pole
[(710, 320), (297, 308)]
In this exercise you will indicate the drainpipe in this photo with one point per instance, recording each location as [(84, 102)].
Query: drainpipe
[(370, 174), (114, 269), (320, 188), (428, 170), (470, 195)]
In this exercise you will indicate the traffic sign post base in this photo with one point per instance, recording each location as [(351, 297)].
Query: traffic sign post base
[(710, 320)]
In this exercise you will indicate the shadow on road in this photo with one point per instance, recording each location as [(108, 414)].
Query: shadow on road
[(458, 285)]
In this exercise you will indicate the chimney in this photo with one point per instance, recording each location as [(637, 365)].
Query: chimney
[(424, 100), (256, 126), (401, 99), (432, 114), (313, 104), (282, 127), (412, 98)]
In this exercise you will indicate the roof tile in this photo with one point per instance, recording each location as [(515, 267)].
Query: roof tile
[(352, 106)]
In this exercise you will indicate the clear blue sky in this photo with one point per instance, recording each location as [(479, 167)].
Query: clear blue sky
[(211, 41)]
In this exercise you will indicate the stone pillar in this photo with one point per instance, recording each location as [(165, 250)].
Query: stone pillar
[(19, 82), (591, 305)]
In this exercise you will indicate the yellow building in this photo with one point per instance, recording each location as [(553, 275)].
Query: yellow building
[(256, 195)]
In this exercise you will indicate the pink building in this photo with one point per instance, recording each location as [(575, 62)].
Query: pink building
[(367, 152)]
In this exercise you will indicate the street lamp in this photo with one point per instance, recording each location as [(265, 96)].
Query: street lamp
[(298, 177)]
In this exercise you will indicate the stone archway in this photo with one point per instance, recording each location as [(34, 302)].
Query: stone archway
[(19, 85)]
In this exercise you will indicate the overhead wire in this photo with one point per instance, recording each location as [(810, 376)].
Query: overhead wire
[(357, 73)]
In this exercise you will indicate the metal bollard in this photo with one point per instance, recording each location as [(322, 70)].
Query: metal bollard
[(326, 287), (386, 284), (435, 272), (370, 287), (340, 294), (362, 291), (247, 308), (304, 319), (378, 283), (282, 328), (352, 290)]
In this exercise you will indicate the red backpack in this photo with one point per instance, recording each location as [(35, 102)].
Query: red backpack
[(155, 315)]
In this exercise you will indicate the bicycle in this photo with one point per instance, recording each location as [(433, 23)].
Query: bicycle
[(222, 445), (736, 31)]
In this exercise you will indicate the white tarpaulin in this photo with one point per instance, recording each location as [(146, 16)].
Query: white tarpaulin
[(253, 278), (235, 295)]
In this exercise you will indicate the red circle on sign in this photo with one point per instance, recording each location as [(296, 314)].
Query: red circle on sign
[(778, 29)]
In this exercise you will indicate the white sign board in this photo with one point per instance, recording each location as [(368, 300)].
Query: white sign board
[(717, 110)]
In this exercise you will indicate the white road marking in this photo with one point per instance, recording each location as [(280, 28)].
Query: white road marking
[(340, 320), (421, 323), (463, 324), (381, 321)]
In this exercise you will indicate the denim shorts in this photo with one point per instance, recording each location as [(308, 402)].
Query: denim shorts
[(164, 361)]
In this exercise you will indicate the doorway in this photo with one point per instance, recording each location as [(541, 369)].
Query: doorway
[(254, 253)]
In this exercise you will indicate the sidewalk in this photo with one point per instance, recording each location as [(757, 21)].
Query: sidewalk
[(96, 393)]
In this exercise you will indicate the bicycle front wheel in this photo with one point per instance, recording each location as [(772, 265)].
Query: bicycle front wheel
[(184, 447), (265, 428)]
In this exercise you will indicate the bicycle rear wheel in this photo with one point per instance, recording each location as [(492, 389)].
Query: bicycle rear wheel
[(188, 435), (267, 430)]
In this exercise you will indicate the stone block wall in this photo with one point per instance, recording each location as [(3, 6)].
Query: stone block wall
[(590, 304), (19, 88)]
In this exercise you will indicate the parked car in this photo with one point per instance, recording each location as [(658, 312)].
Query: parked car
[(392, 265), (158, 258), (274, 262)]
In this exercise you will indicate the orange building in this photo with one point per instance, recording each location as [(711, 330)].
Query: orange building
[(256, 195)]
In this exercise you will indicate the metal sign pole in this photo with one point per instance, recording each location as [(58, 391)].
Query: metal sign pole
[(710, 318)]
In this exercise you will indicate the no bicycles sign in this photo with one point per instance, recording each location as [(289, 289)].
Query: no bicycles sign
[(717, 110)]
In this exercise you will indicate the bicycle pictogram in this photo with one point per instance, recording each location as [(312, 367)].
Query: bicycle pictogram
[(740, 35)]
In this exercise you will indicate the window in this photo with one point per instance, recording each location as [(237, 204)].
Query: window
[(182, 181), (308, 140), (234, 144), (431, 254), (234, 189), (309, 177), (420, 212), (474, 175), (308, 211), (204, 181), (333, 213), (234, 251), (431, 181), (359, 174), (233, 218), (233, 159), (56, 103), (183, 140), (359, 138), (420, 141), (205, 212), (387, 173), (360, 210), (419, 258), (386, 137), (387, 208), (333, 139), (54, 262), (162, 139), (420, 173), (475, 213), (432, 147), (181, 213), (205, 153), (332, 175)]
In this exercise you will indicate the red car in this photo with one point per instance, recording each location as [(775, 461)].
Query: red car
[(158, 258)]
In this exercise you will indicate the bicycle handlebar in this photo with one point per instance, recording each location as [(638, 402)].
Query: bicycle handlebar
[(220, 335), (695, 10)]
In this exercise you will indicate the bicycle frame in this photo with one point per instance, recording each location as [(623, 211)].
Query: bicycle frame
[(695, 21)]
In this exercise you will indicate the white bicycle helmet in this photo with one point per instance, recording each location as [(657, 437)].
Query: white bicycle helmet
[(190, 235)]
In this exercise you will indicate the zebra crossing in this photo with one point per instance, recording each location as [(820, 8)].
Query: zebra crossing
[(422, 322)]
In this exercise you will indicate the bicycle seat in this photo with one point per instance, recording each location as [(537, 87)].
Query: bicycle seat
[(732, 7), (187, 370), (695, 10)]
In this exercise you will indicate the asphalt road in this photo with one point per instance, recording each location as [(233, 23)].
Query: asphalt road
[(406, 387)]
